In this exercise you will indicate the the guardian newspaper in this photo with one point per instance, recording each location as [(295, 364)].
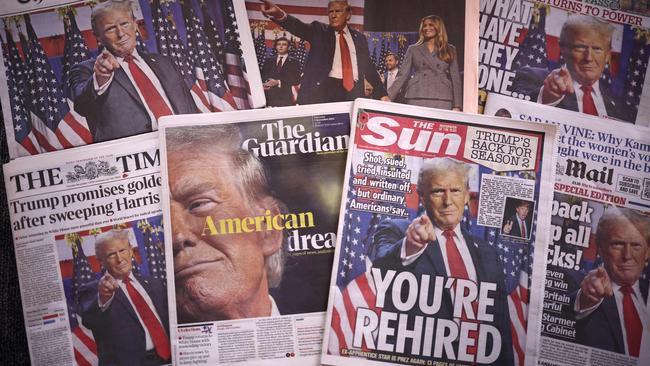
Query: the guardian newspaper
[(83, 221), (600, 227), (251, 201), (441, 238)]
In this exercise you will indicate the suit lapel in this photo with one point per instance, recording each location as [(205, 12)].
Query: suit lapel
[(426, 55), (476, 256), (611, 313), (152, 61), (121, 78), (330, 46), (120, 296)]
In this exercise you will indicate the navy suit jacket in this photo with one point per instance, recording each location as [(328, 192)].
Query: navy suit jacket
[(529, 81), (516, 231), (289, 75), (321, 56), (602, 328), (117, 331), (119, 111), (388, 239)]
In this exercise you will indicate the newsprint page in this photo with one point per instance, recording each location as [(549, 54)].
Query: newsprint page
[(252, 201), (565, 53), (83, 221), (600, 240), (64, 83), (442, 238)]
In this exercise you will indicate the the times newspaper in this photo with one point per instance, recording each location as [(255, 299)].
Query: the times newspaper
[(600, 234), (193, 57), (61, 205), (442, 237), (252, 201), (565, 46)]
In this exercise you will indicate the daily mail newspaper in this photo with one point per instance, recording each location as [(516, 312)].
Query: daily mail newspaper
[(582, 56), (441, 241), (252, 201), (83, 220), (600, 240), (64, 85)]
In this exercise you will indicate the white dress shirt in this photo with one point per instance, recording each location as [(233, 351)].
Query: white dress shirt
[(390, 77), (337, 68)]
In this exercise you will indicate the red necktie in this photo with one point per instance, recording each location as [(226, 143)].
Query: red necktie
[(588, 105), (633, 327), (152, 97), (346, 63), (523, 229), (279, 64), (154, 327), (457, 269)]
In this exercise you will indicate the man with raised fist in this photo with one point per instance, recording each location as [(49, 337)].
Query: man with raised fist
[(611, 305), (585, 46), (126, 313)]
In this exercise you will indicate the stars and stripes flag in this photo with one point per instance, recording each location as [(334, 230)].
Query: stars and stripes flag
[(74, 52), (401, 47), (153, 248), (260, 47), (381, 67), (51, 124), (83, 342), (235, 73), (301, 54), (532, 51), (16, 78), (213, 36), (207, 68), (637, 66), (169, 44)]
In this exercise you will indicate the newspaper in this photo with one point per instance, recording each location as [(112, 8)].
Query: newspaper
[(565, 47), (385, 43), (602, 180), (253, 201), (61, 205), (64, 85), (417, 182)]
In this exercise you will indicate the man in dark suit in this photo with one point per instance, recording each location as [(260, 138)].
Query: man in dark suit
[(338, 60), (434, 244), (123, 92), (280, 74), (612, 303), (126, 313), (519, 223), (585, 45)]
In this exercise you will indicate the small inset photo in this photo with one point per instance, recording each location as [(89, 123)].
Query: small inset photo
[(517, 218)]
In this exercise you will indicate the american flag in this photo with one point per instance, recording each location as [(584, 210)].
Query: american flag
[(153, 249), (532, 51), (83, 342), (213, 36), (401, 47), (16, 78), (381, 67), (75, 51), (169, 44), (207, 68), (636, 71), (301, 54), (236, 75), (44, 98), (260, 47)]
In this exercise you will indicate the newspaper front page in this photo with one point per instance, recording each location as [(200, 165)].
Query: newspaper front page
[(67, 81), (389, 55), (600, 239), (441, 241), (551, 51), (252, 199), (79, 218)]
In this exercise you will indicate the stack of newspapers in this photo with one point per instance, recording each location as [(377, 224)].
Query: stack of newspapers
[(329, 182)]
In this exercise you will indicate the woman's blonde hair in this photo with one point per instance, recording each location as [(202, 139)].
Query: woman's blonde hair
[(445, 52)]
